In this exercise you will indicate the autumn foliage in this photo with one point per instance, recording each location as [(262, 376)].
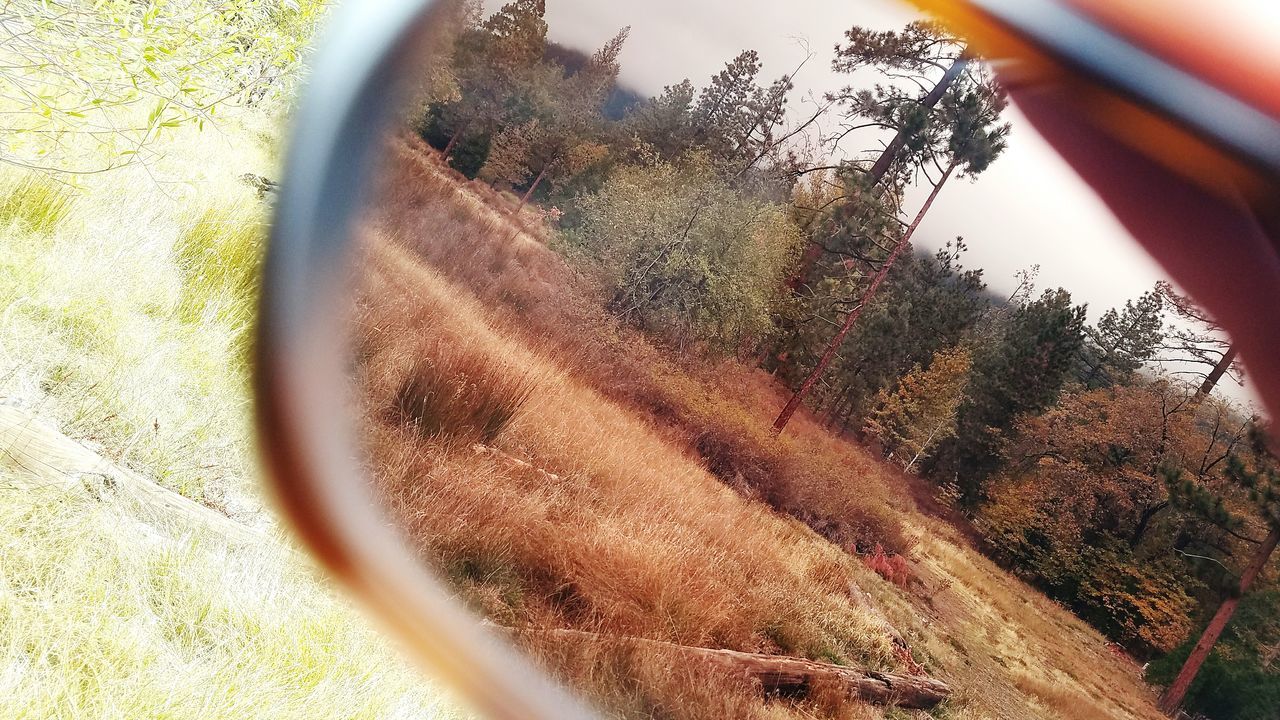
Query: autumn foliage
[(890, 566)]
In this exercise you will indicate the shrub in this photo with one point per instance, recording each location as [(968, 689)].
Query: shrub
[(890, 566), (683, 255), (218, 255), (468, 396)]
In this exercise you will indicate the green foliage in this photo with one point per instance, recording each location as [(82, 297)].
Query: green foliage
[(664, 124), (91, 86), (963, 125), (735, 116), (468, 155), (1195, 497), (495, 65), (1122, 341), (562, 137), (1023, 371), (683, 254), (927, 304)]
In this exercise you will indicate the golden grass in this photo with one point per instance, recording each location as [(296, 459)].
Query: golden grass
[(609, 526), (638, 494)]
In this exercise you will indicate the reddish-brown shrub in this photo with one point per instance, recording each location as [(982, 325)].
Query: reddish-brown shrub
[(890, 566)]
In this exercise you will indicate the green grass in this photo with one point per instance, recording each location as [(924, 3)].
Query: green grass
[(217, 256), (103, 615), (34, 204), (126, 307)]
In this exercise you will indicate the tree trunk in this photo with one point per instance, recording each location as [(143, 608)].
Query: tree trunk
[(1171, 700), (924, 447), (524, 199), (882, 164), (929, 101), (776, 675), (1145, 521), (807, 260), (843, 398), (1216, 374), (829, 354), (453, 139)]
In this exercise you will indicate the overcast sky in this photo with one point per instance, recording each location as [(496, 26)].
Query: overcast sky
[(1028, 209)]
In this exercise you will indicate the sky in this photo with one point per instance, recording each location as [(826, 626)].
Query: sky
[(1029, 208)]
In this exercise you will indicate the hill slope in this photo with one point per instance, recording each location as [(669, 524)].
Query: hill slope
[(607, 485)]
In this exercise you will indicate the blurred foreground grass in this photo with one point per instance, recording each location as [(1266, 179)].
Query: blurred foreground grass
[(126, 301)]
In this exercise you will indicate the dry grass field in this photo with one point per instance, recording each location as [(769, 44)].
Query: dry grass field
[(562, 471)]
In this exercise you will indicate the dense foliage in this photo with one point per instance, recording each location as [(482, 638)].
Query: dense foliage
[(683, 254)]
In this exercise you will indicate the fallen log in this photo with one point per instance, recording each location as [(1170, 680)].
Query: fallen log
[(41, 456), (776, 675)]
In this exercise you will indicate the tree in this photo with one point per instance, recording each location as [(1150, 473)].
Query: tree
[(1198, 346), (494, 64), (88, 87), (922, 55), (1240, 680), (682, 254), (1078, 506), (970, 148), (958, 99), (1261, 481), (852, 316), (1122, 341), (560, 140), (735, 117), (922, 409), (1022, 372), (664, 124), (928, 303)]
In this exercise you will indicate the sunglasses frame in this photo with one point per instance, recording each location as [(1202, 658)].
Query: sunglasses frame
[(304, 430)]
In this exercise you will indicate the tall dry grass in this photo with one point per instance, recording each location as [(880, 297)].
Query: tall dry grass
[(627, 491), (721, 410), (577, 512)]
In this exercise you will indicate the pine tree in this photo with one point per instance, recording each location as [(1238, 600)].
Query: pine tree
[(664, 123), (1260, 481), (562, 138), (1122, 341), (493, 66), (971, 146), (1023, 372), (1198, 345), (958, 114)]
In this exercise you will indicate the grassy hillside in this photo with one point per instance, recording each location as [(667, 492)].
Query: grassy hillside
[(127, 299), (562, 471)]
